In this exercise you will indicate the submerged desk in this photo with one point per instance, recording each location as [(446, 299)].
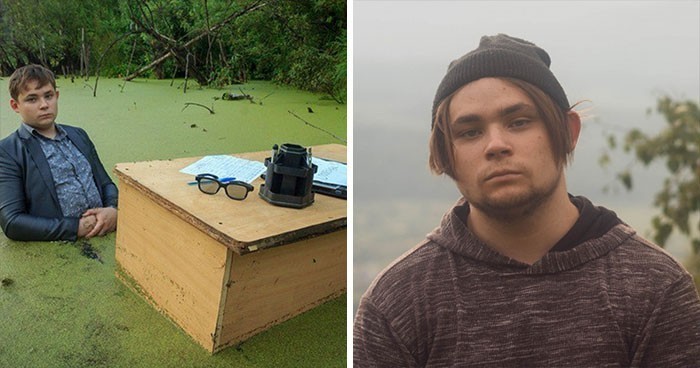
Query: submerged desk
[(223, 269)]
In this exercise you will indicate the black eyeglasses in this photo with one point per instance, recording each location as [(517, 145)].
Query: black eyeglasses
[(210, 184)]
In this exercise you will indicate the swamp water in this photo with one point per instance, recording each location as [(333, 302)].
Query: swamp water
[(60, 303)]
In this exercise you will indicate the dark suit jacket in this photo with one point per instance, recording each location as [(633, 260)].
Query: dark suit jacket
[(29, 206)]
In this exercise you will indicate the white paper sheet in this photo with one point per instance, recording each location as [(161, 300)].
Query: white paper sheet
[(330, 172), (227, 166)]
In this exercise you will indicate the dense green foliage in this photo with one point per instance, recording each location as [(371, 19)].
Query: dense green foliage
[(217, 42), (678, 145)]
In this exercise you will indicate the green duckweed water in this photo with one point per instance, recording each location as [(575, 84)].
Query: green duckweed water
[(62, 307)]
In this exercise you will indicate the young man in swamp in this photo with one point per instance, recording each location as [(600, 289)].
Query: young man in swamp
[(52, 183)]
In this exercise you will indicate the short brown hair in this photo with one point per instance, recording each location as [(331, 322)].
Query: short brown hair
[(441, 160), (33, 72)]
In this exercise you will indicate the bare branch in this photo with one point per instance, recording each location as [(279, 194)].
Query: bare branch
[(316, 127), (99, 62), (211, 111), (203, 33)]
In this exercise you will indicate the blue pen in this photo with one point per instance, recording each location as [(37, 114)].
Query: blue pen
[(223, 180)]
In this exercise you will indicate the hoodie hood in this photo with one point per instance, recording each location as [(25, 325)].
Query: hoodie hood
[(454, 235)]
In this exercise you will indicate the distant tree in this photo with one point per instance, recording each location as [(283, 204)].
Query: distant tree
[(678, 145), (301, 43), (53, 32)]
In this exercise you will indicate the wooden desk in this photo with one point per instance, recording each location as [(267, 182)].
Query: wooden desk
[(224, 270)]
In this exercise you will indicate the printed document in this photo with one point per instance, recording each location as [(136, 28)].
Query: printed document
[(330, 172), (225, 166)]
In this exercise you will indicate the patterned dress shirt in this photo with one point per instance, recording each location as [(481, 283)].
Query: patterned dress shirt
[(71, 173)]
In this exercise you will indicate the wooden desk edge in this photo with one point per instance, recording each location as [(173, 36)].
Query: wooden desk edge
[(239, 247)]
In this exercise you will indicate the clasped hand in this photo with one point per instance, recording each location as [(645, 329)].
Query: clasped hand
[(97, 222)]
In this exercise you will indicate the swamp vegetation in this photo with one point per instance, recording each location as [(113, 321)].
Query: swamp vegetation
[(213, 42), (151, 80), (60, 302)]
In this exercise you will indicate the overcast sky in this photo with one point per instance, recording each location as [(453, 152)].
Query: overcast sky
[(620, 55)]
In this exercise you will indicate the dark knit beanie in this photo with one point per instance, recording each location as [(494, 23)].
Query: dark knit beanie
[(502, 56)]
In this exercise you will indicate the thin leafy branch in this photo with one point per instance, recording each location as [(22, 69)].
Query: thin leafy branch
[(677, 145)]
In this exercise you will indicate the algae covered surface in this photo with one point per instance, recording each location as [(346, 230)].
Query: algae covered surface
[(60, 302)]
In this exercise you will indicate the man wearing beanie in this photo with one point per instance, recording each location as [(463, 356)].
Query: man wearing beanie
[(520, 273)]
